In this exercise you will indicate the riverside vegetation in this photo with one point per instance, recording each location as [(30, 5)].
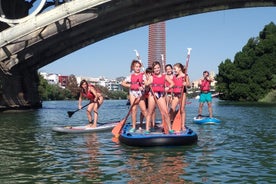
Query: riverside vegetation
[(71, 90), (252, 74)]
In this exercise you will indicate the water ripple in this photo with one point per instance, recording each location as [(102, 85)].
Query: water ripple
[(239, 150)]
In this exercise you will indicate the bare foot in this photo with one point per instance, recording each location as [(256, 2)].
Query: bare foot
[(89, 125)]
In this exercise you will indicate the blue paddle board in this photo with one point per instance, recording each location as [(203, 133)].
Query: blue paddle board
[(206, 120)]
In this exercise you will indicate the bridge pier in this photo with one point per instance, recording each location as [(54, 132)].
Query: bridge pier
[(19, 90)]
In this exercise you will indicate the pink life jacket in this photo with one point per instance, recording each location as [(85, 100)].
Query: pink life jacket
[(158, 83), (89, 95), (136, 81), (168, 84), (205, 85), (178, 84)]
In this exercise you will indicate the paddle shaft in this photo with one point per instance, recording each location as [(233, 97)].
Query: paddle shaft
[(176, 125), (117, 129), (139, 59), (129, 111), (70, 113), (185, 74)]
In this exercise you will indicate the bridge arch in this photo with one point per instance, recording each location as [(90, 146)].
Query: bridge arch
[(31, 51)]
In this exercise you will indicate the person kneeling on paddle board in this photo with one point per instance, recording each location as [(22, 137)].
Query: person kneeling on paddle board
[(205, 94), (96, 99)]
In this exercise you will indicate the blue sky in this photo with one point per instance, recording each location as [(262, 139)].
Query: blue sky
[(213, 38)]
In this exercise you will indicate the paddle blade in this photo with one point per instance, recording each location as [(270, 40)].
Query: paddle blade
[(70, 113), (176, 126), (117, 129), (115, 140)]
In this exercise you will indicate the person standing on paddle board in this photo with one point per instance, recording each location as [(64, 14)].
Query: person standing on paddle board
[(157, 81), (96, 99), (146, 95), (169, 73), (181, 82), (205, 94), (135, 83)]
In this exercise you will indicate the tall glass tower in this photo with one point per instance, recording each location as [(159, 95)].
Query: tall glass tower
[(157, 44)]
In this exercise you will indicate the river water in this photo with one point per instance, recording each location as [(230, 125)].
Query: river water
[(241, 149)]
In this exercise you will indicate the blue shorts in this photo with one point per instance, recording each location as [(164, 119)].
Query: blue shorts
[(205, 97)]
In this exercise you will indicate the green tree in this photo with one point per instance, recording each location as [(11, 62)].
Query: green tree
[(52, 91), (251, 76), (72, 86)]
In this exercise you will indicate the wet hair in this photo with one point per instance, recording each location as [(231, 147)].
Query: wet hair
[(179, 65), (134, 62)]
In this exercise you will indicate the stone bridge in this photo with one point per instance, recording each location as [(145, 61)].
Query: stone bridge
[(29, 42)]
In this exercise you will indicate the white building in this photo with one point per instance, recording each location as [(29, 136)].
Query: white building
[(51, 78)]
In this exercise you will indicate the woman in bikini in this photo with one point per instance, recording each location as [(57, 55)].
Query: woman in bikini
[(157, 81), (135, 83), (181, 82), (96, 99)]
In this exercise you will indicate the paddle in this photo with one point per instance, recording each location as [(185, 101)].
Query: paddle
[(70, 113), (139, 59), (177, 123), (163, 63), (117, 129)]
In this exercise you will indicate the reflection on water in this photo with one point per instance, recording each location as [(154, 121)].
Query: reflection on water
[(239, 150), (91, 159), (156, 167)]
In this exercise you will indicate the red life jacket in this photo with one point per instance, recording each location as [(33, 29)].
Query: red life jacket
[(158, 83), (136, 81), (89, 95), (178, 84), (205, 85), (168, 84)]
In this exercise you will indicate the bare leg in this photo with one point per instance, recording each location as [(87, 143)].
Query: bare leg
[(141, 119), (133, 116), (88, 113), (210, 109), (133, 110), (143, 109), (95, 115), (200, 110), (151, 108), (153, 116)]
